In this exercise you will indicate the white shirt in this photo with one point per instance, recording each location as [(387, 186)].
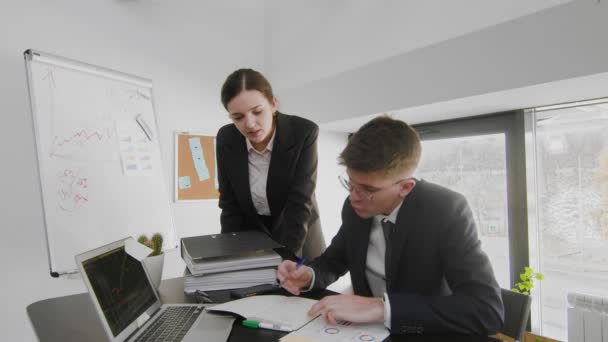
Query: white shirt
[(259, 162)]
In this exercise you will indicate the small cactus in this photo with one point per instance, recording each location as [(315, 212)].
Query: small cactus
[(142, 239), (155, 243)]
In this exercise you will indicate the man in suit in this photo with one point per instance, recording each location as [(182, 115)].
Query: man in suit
[(411, 246)]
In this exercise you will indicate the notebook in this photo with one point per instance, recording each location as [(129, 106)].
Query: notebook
[(129, 307)]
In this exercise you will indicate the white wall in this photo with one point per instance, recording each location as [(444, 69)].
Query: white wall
[(330, 194), (186, 47), (558, 43)]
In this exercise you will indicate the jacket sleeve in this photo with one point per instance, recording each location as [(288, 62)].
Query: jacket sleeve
[(475, 305), (298, 207), (333, 263), (232, 217)]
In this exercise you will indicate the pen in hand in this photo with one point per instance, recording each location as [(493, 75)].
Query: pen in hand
[(299, 263)]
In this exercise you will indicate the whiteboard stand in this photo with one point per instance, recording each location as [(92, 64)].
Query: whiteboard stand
[(98, 157)]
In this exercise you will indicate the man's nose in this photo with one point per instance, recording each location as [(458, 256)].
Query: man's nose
[(355, 194)]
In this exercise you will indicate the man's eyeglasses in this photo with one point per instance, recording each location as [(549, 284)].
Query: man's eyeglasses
[(367, 194)]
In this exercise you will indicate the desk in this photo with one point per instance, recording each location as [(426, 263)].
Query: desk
[(73, 318)]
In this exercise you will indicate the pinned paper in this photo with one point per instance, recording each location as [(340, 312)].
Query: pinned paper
[(135, 152), (198, 158), (184, 182)]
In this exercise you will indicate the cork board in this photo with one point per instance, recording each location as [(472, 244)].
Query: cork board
[(195, 167)]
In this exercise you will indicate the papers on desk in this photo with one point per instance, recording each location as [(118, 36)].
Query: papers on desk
[(274, 309), (319, 331), (229, 280)]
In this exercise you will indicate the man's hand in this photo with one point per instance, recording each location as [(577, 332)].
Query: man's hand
[(351, 308), (294, 278)]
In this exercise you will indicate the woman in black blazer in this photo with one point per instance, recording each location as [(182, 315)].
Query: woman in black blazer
[(267, 168)]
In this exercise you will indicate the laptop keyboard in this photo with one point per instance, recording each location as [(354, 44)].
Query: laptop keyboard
[(172, 324)]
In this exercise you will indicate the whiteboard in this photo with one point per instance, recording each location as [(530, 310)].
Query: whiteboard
[(98, 157)]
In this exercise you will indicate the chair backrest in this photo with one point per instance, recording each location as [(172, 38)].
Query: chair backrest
[(517, 311)]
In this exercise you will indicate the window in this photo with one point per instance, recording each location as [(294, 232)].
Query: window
[(551, 176), (570, 226), (475, 166)]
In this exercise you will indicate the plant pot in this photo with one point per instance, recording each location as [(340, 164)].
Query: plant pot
[(154, 265)]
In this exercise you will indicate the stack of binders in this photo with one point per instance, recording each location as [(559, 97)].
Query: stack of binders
[(229, 261)]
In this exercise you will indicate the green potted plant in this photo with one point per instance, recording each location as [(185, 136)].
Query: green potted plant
[(154, 262), (527, 281)]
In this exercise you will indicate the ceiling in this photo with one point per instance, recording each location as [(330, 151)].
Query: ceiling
[(359, 60), (576, 89)]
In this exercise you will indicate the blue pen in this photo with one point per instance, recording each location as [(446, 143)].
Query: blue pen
[(298, 264)]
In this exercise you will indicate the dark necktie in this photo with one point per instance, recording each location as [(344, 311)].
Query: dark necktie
[(387, 228)]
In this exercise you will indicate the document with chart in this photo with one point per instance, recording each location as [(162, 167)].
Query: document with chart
[(319, 331)]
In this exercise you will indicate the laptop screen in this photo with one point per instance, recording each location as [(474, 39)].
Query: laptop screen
[(121, 287)]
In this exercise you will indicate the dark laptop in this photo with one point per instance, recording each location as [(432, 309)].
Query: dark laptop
[(129, 307)]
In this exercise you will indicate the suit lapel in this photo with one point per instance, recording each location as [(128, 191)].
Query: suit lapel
[(398, 239), (280, 163), (358, 244)]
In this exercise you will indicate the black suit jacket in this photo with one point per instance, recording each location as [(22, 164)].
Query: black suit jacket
[(438, 278), (290, 188)]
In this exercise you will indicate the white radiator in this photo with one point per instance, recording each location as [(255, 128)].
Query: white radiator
[(587, 318)]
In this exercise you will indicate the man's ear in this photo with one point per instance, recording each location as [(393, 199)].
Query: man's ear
[(407, 186)]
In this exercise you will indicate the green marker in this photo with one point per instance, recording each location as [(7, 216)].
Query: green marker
[(256, 325)]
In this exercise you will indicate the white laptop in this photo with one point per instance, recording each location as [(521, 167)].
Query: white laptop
[(129, 307)]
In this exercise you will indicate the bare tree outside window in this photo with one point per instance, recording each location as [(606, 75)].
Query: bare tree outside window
[(572, 190), (475, 166)]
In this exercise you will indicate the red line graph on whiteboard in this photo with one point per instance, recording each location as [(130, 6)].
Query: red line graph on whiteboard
[(85, 143), (82, 136), (72, 190)]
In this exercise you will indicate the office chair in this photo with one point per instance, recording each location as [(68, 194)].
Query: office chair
[(517, 311)]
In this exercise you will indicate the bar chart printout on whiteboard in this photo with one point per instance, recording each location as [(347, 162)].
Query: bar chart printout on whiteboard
[(100, 172)]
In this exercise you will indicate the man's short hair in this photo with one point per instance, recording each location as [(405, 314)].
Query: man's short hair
[(383, 144)]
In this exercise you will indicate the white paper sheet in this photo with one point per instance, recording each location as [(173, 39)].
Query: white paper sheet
[(319, 331), (282, 310)]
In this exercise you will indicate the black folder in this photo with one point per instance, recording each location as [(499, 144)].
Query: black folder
[(227, 244)]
